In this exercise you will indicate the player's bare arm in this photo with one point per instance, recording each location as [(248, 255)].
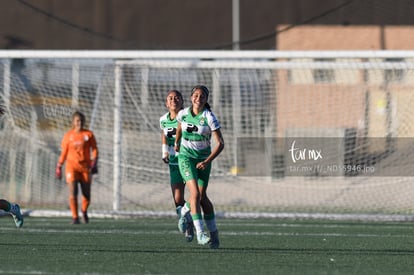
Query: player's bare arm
[(178, 135), (219, 141)]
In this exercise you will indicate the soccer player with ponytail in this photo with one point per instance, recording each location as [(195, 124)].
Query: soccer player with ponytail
[(197, 124)]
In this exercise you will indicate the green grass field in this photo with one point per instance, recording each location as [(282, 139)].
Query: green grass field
[(248, 246)]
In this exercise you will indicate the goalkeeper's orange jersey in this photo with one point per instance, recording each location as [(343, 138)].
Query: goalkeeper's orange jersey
[(77, 149)]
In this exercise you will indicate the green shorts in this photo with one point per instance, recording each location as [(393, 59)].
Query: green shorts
[(175, 175), (189, 171)]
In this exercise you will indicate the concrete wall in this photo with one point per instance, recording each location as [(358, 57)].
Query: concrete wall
[(364, 100), (179, 24)]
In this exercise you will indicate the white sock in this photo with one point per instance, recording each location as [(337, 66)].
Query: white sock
[(199, 226), (185, 209)]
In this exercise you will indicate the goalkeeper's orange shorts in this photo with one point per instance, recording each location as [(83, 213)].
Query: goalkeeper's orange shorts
[(75, 176)]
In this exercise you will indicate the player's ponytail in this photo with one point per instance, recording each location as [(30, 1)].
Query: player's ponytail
[(208, 107)]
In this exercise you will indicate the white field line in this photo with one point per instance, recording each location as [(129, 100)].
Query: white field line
[(43, 272), (28, 272), (224, 233), (286, 225), (241, 215)]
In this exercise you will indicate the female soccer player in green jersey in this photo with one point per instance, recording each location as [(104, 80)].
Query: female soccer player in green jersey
[(168, 125), (196, 126)]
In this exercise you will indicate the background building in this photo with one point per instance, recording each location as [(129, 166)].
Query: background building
[(187, 24), (381, 88)]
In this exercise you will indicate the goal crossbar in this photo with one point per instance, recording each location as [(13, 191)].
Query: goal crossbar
[(265, 54)]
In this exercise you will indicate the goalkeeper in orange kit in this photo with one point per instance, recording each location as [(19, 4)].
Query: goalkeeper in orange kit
[(80, 152)]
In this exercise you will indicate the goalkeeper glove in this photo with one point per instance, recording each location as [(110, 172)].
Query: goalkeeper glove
[(94, 166), (58, 171)]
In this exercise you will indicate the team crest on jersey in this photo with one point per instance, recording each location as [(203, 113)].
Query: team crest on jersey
[(85, 138), (202, 121)]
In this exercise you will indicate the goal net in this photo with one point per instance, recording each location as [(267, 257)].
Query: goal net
[(305, 132)]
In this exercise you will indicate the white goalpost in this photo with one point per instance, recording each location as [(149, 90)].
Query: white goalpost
[(306, 132)]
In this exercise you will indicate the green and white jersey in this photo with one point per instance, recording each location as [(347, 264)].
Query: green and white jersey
[(169, 128), (196, 132)]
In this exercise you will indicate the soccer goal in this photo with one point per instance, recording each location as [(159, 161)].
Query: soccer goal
[(306, 133)]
